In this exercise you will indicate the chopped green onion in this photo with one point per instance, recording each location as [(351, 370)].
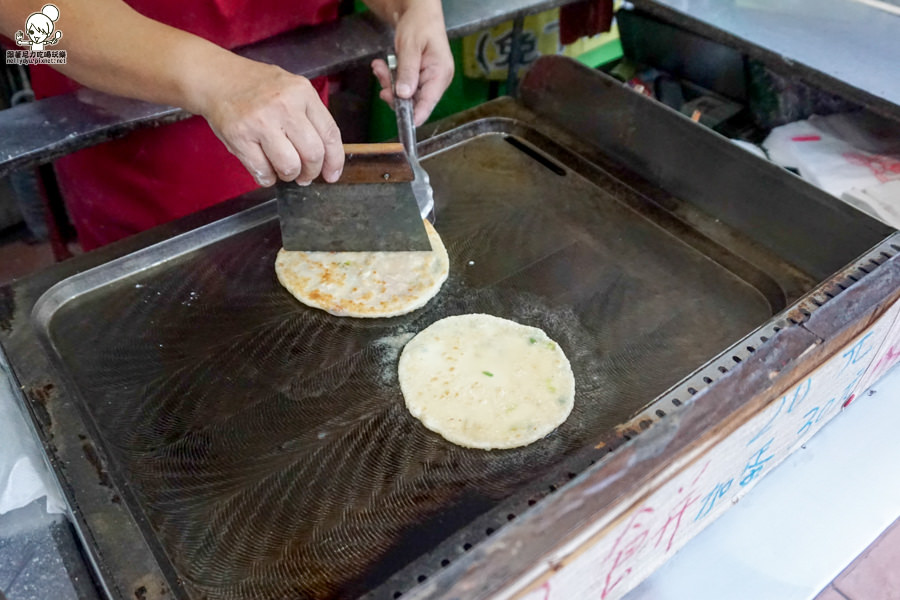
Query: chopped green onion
[(488, 373), (532, 341)]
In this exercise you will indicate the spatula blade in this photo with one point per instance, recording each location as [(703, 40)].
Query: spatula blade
[(360, 217)]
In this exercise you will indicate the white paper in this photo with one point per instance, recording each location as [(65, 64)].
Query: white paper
[(24, 476)]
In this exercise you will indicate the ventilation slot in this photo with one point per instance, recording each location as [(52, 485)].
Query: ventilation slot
[(553, 166)]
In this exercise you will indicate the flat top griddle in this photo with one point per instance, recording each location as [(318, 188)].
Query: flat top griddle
[(264, 445)]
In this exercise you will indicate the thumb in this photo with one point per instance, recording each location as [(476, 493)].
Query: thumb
[(409, 60)]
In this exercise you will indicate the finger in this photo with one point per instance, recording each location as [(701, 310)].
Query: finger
[(282, 154), (330, 135), (434, 82), (409, 61), (382, 73), (254, 160), (387, 96), (426, 100), (309, 146)]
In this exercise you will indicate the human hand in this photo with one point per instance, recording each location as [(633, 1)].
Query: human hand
[(273, 121), (425, 64)]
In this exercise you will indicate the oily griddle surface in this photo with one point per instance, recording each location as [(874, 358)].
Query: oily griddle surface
[(266, 443)]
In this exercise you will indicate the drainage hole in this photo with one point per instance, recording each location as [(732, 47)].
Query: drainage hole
[(489, 531), (707, 380), (532, 502), (627, 438), (571, 475), (763, 339), (751, 349), (852, 278), (886, 255), (445, 562), (875, 262), (660, 413), (736, 359), (421, 578), (397, 594), (723, 370), (510, 517), (467, 547), (676, 402), (692, 391), (864, 270), (776, 329), (829, 294), (552, 488), (895, 247)]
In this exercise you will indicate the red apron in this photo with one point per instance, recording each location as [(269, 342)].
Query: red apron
[(158, 174)]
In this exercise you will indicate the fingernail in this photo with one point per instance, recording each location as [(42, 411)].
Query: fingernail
[(403, 90), (264, 181), (304, 183), (333, 176)]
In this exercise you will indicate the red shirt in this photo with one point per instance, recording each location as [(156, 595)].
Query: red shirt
[(154, 175)]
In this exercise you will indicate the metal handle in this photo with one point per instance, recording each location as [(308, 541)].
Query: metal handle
[(406, 129)]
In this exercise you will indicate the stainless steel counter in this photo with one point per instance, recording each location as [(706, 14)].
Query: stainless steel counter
[(844, 46)]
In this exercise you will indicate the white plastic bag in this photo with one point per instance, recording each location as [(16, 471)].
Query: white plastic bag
[(820, 149)]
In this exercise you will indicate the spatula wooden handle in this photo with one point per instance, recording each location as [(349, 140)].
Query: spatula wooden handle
[(374, 163)]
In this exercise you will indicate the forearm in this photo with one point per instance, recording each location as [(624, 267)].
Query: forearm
[(112, 48)]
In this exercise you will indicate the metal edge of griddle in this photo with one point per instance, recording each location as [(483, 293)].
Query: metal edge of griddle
[(130, 568), (454, 554), (146, 258), (73, 287), (609, 116)]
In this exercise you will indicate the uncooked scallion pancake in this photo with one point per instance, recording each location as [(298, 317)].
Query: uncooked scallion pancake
[(365, 284), (485, 382)]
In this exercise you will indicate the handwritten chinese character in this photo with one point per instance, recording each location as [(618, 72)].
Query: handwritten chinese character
[(674, 518), (796, 399), (632, 539), (709, 501), (857, 351), (756, 464), (815, 415)]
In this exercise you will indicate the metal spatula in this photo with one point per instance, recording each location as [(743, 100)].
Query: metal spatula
[(372, 207), (406, 131)]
